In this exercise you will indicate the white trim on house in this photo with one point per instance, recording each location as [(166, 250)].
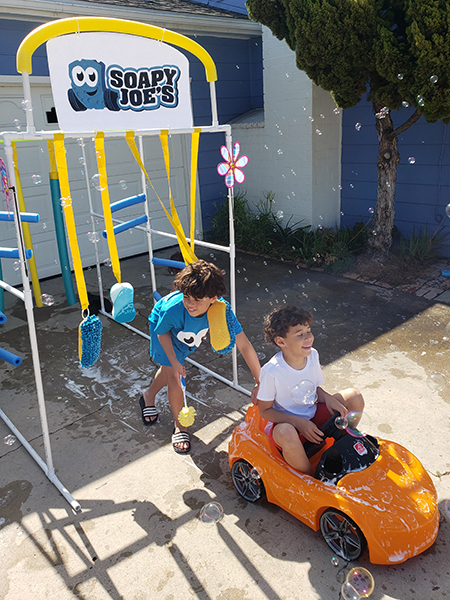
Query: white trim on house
[(46, 10)]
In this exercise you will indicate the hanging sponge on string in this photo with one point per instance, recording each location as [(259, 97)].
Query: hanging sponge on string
[(121, 295), (221, 327), (89, 340)]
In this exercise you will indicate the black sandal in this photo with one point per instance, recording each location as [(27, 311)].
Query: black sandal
[(182, 437), (148, 412)]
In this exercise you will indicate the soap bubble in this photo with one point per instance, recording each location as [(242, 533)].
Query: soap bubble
[(318, 132), (82, 161), (311, 118), (361, 580), (411, 160), (16, 265), (405, 104), (211, 513), (434, 79), (436, 382), (93, 236), (335, 561), (383, 113), (348, 592), (400, 76), (47, 300), (37, 179), (358, 126), (261, 355), (44, 225), (341, 422), (9, 440), (420, 100), (279, 151), (337, 111), (304, 392), (98, 182), (371, 210), (353, 419), (447, 210), (26, 105), (107, 262), (123, 184), (65, 202), (17, 125), (279, 215)]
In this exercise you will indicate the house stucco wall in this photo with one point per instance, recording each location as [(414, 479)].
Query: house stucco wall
[(287, 156)]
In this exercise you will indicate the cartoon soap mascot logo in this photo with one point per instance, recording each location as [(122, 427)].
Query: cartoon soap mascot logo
[(88, 89)]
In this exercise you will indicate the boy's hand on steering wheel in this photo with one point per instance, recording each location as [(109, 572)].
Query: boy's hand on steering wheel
[(310, 431)]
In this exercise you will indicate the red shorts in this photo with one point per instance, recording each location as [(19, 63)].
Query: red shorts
[(322, 415)]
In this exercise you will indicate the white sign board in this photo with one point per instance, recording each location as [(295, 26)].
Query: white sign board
[(114, 81)]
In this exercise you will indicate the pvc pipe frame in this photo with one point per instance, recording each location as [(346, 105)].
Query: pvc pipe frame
[(26, 296)]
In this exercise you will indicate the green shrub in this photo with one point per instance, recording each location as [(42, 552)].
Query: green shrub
[(422, 246), (261, 230)]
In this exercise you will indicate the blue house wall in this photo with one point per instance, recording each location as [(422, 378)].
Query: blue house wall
[(239, 89), (423, 175)]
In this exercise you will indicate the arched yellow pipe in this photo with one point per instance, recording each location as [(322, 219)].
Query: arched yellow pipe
[(43, 33)]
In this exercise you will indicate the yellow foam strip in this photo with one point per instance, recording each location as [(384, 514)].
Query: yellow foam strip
[(101, 162), (194, 160), (164, 137), (61, 162), (187, 253), (26, 232)]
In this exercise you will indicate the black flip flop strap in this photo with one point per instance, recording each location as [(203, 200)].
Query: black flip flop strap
[(150, 411), (180, 437)]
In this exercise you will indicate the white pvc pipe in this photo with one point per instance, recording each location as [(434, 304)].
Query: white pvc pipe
[(28, 107), (51, 475)]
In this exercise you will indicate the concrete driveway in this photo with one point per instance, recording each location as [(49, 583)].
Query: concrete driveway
[(138, 535)]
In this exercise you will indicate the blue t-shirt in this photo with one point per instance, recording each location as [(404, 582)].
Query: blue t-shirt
[(187, 331)]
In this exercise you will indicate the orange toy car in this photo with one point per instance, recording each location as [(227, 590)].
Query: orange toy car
[(366, 492)]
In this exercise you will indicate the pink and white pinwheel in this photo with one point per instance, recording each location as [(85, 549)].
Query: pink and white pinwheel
[(231, 169)]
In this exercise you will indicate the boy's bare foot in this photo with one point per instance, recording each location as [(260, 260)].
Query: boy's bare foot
[(181, 441)]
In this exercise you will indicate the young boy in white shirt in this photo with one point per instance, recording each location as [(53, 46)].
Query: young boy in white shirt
[(290, 396)]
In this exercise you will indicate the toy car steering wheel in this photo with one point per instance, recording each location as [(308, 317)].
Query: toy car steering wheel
[(328, 429)]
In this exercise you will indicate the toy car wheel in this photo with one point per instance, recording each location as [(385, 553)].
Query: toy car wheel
[(247, 481), (342, 535)]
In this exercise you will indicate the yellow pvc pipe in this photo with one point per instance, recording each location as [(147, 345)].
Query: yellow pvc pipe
[(26, 233), (43, 33)]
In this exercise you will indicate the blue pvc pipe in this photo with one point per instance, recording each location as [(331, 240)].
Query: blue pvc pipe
[(127, 202), (156, 295), (2, 317), (128, 225), (2, 291), (61, 241), (10, 358), (14, 253), (166, 262), (25, 217)]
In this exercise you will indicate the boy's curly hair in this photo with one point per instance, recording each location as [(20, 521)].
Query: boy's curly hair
[(199, 280), (277, 322)]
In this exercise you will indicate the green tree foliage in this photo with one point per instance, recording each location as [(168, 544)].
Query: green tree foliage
[(396, 51)]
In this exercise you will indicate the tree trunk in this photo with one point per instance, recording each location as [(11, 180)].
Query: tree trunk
[(380, 234)]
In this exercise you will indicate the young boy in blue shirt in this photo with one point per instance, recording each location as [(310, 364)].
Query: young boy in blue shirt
[(178, 323), (290, 396)]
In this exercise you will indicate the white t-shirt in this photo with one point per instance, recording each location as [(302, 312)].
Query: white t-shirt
[(293, 391)]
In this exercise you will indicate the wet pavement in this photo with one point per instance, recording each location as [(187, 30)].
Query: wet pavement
[(138, 535)]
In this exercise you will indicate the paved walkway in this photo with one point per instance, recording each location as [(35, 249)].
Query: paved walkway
[(138, 536)]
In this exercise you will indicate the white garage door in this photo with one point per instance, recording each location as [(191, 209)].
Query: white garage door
[(124, 180)]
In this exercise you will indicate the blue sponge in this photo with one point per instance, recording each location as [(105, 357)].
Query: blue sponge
[(121, 295), (89, 340)]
